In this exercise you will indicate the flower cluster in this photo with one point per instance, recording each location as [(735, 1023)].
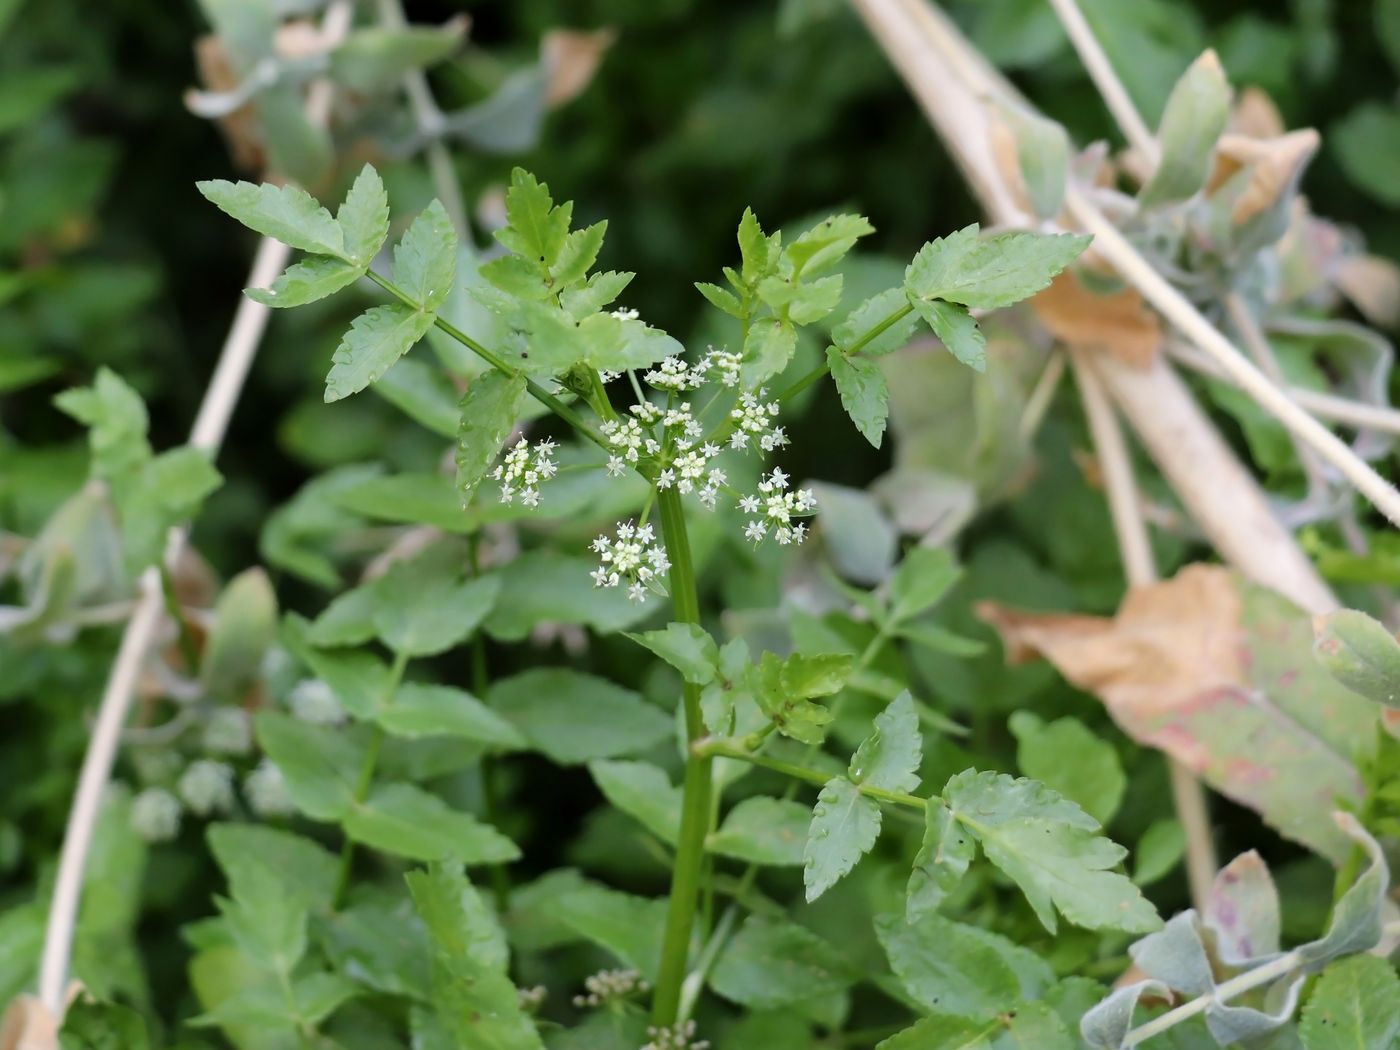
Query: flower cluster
[(774, 508), (753, 421), (206, 787), (522, 470), (633, 555), (155, 815), (312, 701), (679, 1036), (607, 986), (266, 791), (531, 999)]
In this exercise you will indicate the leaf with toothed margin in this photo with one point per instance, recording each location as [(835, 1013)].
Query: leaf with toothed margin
[(376, 340), (845, 824)]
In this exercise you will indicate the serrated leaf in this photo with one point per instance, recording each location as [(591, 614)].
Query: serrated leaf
[(408, 822), (616, 343), (845, 824), (947, 966), (600, 290), (943, 858), (490, 409), (687, 647), (825, 244), (1196, 114), (535, 227), (363, 217), (864, 395), (767, 350), (92, 1025), (424, 393), (755, 249), (992, 273), (956, 329), (286, 213), (1355, 1004), (425, 260), (773, 962), (643, 791), (474, 999), (421, 610), (577, 255), (376, 340), (720, 298), (307, 281), (890, 756), (1158, 852), (628, 926), (317, 762), (1065, 756), (117, 422), (420, 710), (881, 325), (1049, 847), (763, 830), (574, 717), (1031, 1026), (245, 623)]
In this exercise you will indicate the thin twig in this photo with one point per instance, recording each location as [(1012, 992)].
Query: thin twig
[(235, 358), (1140, 568), (1100, 70), (1041, 395)]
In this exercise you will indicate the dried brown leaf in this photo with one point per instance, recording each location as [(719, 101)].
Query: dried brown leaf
[(1276, 165), (239, 128), (1218, 673), (572, 58), (1120, 323), (1256, 115), (1373, 286)]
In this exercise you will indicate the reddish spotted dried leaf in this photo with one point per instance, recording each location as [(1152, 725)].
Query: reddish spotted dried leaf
[(1219, 673)]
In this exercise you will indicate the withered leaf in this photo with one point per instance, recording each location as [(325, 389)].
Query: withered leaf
[(1218, 673), (1120, 323)]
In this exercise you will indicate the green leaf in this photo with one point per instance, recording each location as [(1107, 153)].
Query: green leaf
[(92, 1025), (1066, 757), (921, 581), (687, 647), (774, 962), (416, 499), (382, 941), (881, 325), (360, 680), (422, 610), (956, 329), (535, 228), (1031, 1026), (408, 822), (376, 340), (720, 299), (767, 351), (619, 343), (643, 791), (1359, 652), (992, 273), (318, 763), (784, 690), (168, 491), (374, 59), (286, 213), (1042, 155), (474, 999), (948, 966), (1160, 849), (1049, 847), (548, 587), (424, 393), (116, 419), (762, 830), (574, 717), (889, 757), (425, 260), (943, 859), (630, 927), (363, 217), (864, 395), (307, 281), (245, 623), (267, 924), (422, 710), (347, 620), (845, 824), (600, 290), (305, 870), (1196, 114), (758, 251), (825, 244), (577, 255), (1356, 1004)]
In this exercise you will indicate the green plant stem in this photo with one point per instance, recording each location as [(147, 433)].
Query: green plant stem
[(539, 393), (895, 316), (188, 650), (366, 778), (717, 748), (696, 786)]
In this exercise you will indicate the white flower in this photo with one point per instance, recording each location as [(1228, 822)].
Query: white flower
[(608, 985), (631, 555), (776, 506), (266, 791), (155, 815), (313, 701), (665, 479), (207, 787), (755, 530), (615, 466), (674, 374), (622, 313), (228, 732), (525, 466), (679, 1036)]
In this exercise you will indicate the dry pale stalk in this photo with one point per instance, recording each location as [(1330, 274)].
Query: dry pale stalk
[(236, 357)]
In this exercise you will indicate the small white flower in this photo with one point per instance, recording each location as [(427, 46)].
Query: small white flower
[(522, 468), (155, 815), (631, 555), (665, 479), (313, 701), (637, 593), (749, 504), (616, 466), (755, 530), (622, 313), (207, 787), (266, 791), (228, 731)]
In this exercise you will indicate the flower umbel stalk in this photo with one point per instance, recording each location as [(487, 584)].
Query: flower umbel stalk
[(696, 787)]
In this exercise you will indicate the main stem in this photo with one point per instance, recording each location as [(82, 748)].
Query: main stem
[(696, 787)]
